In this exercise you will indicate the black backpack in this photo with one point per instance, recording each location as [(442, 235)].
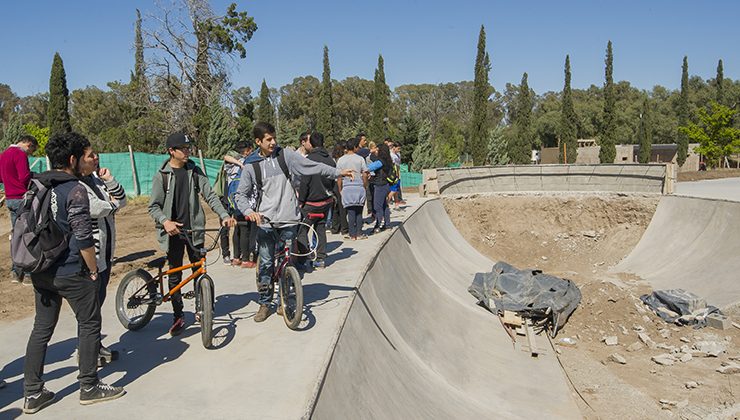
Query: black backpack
[(37, 240)]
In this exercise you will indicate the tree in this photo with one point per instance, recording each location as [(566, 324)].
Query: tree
[(8, 102), (58, 114), (645, 133), (138, 77), (716, 134), (41, 134), (608, 151), (409, 137), (719, 81), (568, 129), (222, 135), (682, 110), (244, 108), (520, 149), (381, 101), (497, 147), (425, 154), (479, 126), (13, 131), (265, 109), (325, 122)]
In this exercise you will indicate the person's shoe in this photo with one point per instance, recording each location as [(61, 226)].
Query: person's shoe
[(262, 313), (177, 326), (236, 262), (249, 264), (227, 261), (107, 355), (2, 384), (34, 403), (319, 264), (346, 236), (16, 277), (376, 229), (27, 282), (363, 236), (279, 310), (100, 392)]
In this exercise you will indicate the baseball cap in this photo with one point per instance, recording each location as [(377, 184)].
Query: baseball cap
[(178, 140)]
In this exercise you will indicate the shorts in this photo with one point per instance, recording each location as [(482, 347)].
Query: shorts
[(396, 187)]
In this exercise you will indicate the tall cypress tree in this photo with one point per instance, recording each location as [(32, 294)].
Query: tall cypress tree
[(479, 125), (568, 121), (683, 114), (608, 151), (645, 133), (222, 134), (325, 123), (139, 76), (381, 99), (520, 150), (265, 110), (58, 111), (720, 81)]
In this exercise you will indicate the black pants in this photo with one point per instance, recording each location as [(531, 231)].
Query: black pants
[(319, 225), (369, 191), (82, 295), (339, 215), (224, 235), (245, 236), (174, 258)]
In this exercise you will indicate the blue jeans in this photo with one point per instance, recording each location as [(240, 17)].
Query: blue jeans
[(380, 203), (13, 206), (269, 239)]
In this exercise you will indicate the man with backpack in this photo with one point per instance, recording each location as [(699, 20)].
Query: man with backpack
[(55, 216), (265, 191), (245, 234), (174, 205)]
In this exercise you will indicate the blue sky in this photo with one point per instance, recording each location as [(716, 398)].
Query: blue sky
[(421, 41)]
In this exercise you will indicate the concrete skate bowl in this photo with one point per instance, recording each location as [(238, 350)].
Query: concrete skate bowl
[(415, 345), (692, 244)]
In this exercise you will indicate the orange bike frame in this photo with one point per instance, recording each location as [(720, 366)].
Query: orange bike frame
[(201, 265)]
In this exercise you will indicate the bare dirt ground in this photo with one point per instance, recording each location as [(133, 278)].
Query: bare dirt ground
[(710, 174), (579, 238), (136, 245)]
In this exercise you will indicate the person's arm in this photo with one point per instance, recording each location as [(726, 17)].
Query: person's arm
[(234, 161), (303, 189), (115, 189), (98, 207), (244, 191), (302, 166), (375, 165), (80, 223), (156, 200), (340, 184), (24, 171)]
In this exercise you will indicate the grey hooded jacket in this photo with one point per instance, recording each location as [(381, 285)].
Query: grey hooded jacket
[(278, 201), (160, 204)]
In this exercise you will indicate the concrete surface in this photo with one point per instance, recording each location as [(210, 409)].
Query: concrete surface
[(415, 345), (724, 189), (692, 244), (259, 371)]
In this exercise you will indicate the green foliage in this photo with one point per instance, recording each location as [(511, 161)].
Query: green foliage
[(231, 32), (520, 149), (265, 109), (8, 102), (716, 133), (13, 131), (381, 101), (480, 123), (568, 129), (58, 114), (645, 133), (496, 150), (298, 107), (448, 141), (41, 134), (608, 151), (244, 107), (719, 81), (409, 137), (682, 111), (425, 154), (325, 122), (222, 134)]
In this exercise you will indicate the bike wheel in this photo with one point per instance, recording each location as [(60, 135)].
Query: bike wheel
[(205, 311), (291, 297), (135, 304)]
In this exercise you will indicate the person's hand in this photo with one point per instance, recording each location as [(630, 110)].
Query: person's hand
[(104, 174), (255, 217), (171, 227), (228, 222), (348, 173)]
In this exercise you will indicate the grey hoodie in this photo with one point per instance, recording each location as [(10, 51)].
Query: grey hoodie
[(278, 200)]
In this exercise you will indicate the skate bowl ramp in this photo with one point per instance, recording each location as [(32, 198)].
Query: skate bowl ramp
[(416, 346), (691, 244)]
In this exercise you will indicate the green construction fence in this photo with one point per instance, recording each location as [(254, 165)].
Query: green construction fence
[(147, 165)]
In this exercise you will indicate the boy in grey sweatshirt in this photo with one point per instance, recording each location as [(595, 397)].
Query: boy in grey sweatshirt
[(276, 201)]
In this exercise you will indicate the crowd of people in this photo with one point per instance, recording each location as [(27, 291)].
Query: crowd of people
[(265, 194)]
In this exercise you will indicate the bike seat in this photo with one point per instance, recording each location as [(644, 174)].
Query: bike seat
[(157, 263)]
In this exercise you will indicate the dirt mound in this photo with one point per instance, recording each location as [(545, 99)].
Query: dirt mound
[(580, 237)]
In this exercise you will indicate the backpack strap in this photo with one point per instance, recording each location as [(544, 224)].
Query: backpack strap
[(193, 176), (165, 182), (283, 164)]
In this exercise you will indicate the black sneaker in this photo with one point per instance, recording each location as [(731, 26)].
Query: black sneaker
[(36, 402), (177, 326), (99, 392)]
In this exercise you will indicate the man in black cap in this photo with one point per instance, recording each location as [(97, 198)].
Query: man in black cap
[(174, 205)]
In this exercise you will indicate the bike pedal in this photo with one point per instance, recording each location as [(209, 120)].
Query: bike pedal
[(189, 295)]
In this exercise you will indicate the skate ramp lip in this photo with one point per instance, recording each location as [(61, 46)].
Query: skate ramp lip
[(692, 244), (415, 344)]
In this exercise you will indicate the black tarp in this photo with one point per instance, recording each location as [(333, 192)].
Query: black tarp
[(679, 306), (529, 293)]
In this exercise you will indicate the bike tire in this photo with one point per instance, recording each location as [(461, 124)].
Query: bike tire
[(136, 317), (291, 297), (205, 290)]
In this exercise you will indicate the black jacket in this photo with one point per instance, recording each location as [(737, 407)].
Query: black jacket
[(317, 187)]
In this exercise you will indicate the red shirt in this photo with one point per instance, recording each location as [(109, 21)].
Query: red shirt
[(14, 172)]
